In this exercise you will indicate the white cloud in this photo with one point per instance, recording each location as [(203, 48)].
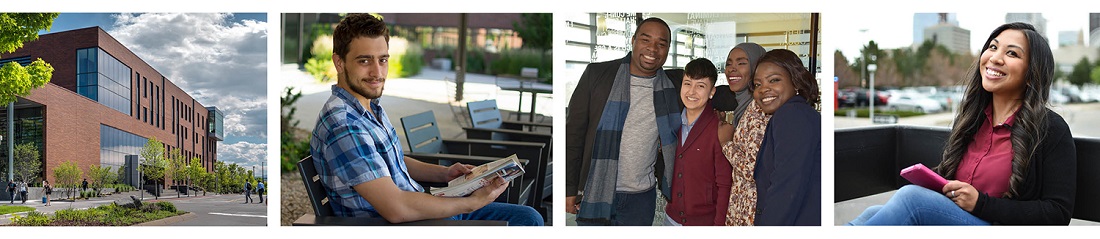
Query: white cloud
[(218, 61), (243, 153)]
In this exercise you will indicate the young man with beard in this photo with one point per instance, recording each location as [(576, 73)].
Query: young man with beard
[(358, 154), (621, 133)]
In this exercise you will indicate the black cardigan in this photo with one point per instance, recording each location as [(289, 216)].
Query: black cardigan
[(1047, 193)]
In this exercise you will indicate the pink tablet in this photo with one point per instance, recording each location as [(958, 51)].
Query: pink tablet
[(921, 175)]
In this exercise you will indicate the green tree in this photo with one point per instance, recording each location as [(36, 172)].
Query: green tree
[(1081, 73), (120, 174), (27, 163), (1095, 75), (536, 30), (868, 55), (100, 176), (177, 168), (195, 171), (153, 164), (15, 29), (67, 175)]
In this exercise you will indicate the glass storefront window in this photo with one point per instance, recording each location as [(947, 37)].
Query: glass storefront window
[(29, 128)]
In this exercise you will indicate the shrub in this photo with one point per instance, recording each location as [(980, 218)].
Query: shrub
[(405, 59), (475, 61), (320, 64), (33, 218), (166, 206), (511, 62), (864, 112), (150, 207)]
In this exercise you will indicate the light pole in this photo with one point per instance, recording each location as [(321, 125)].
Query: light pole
[(188, 191), (871, 69)]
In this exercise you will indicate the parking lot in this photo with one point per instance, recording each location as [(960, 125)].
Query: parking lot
[(1076, 115)]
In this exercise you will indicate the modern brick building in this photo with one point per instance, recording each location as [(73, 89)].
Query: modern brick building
[(102, 105)]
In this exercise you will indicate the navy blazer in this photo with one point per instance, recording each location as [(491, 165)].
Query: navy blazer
[(788, 167)]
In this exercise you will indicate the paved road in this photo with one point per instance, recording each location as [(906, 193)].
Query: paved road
[(1082, 119), (222, 210)]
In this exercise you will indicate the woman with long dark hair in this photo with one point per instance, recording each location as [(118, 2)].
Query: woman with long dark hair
[(1009, 158), (788, 165)]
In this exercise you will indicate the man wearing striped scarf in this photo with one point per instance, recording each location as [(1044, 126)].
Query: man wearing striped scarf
[(621, 133)]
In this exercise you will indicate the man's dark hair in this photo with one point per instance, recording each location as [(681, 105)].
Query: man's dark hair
[(701, 68), (357, 25), (652, 19)]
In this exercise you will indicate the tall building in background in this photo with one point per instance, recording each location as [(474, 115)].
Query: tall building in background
[(1094, 29), (948, 34), (1035, 19), (1070, 38), (926, 20), (103, 103)]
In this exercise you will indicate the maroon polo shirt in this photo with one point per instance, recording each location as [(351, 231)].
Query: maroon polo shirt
[(987, 164)]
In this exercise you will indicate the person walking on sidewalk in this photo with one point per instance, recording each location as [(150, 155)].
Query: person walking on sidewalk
[(11, 191), (23, 191), (84, 185), (260, 191), (46, 190), (247, 192)]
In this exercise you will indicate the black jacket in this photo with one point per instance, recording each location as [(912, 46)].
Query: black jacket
[(582, 116)]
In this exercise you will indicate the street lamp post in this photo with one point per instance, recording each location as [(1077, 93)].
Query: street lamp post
[(871, 69)]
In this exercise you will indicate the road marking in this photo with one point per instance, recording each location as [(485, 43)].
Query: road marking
[(236, 215)]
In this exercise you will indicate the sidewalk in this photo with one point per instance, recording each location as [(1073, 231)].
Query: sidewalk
[(426, 91)]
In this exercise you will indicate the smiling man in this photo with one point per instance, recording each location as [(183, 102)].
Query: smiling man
[(358, 154), (621, 133)]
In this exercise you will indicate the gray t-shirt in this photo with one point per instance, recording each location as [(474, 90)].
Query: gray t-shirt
[(638, 149)]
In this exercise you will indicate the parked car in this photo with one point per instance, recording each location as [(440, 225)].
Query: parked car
[(1071, 92), (947, 100), (913, 102), (1058, 98), (859, 97)]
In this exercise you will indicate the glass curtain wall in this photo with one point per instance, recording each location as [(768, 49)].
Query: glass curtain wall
[(101, 77), (115, 144)]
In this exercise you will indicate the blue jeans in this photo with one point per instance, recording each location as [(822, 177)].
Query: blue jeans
[(516, 215), (916, 205), (632, 209)]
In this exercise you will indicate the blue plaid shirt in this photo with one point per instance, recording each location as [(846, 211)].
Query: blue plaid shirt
[(350, 146)]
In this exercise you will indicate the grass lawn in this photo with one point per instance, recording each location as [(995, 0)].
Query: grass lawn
[(9, 209)]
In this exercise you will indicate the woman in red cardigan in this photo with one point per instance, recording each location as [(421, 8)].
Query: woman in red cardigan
[(1010, 159)]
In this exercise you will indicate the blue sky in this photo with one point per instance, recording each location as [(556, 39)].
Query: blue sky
[(218, 58)]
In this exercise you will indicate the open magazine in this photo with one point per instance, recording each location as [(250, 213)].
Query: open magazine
[(508, 168)]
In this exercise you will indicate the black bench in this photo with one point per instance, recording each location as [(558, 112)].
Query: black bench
[(324, 216), (867, 161)]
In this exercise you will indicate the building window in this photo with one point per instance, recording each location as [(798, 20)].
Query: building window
[(101, 77), (115, 144)]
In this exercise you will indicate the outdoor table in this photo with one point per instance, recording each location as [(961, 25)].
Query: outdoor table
[(532, 88)]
